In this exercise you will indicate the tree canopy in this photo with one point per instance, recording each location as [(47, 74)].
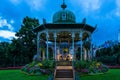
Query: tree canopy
[(22, 48)]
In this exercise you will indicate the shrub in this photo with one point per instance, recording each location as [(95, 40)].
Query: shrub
[(84, 71), (47, 64), (80, 64), (90, 67), (38, 68)]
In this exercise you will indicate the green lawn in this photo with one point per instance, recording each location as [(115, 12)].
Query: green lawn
[(113, 74), (17, 75)]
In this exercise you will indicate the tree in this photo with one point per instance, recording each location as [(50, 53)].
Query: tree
[(118, 58), (25, 44), (16, 49), (109, 55), (4, 54)]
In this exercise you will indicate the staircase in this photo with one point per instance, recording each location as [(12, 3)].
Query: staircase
[(64, 63), (64, 71)]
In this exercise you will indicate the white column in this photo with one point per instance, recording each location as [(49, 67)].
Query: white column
[(43, 56), (73, 36), (55, 37), (47, 36), (81, 44), (91, 53), (53, 52), (38, 46), (85, 54)]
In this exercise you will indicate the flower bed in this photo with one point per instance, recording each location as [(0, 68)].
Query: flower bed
[(114, 67), (6, 68), (90, 67), (38, 68)]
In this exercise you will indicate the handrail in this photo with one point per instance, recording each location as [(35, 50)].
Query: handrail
[(51, 77), (74, 74), (75, 77), (54, 73), (73, 70)]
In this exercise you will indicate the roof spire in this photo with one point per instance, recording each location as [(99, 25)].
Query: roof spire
[(63, 5)]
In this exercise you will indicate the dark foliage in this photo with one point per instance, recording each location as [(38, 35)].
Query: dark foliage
[(110, 55), (21, 50)]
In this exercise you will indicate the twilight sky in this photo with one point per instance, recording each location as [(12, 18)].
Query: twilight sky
[(104, 13)]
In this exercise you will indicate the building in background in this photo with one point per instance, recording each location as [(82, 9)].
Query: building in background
[(119, 36)]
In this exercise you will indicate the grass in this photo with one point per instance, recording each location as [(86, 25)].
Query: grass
[(17, 75), (113, 74)]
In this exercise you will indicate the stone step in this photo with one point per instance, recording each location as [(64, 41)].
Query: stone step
[(64, 73), (64, 70), (63, 79), (64, 67), (64, 63), (64, 76)]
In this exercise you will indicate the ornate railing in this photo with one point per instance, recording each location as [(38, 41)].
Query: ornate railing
[(51, 77), (75, 76)]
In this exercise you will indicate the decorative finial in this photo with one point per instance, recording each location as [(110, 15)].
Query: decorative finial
[(63, 1), (63, 5), (84, 21), (44, 21), (96, 26)]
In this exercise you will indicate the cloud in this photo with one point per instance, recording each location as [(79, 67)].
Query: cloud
[(4, 22), (36, 4), (117, 12), (11, 21), (7, 34), (88, 5), (15, 2), (33, 4), (118, 3), (91, 4)]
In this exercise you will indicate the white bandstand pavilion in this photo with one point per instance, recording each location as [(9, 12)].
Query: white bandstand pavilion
[(68, 39)]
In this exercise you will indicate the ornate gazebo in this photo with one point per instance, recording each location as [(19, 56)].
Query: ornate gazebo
[(67, 38)]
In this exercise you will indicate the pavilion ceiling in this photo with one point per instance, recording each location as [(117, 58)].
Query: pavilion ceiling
[(64, 36)]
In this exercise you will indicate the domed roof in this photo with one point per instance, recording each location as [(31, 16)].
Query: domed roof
[(64, 16)]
